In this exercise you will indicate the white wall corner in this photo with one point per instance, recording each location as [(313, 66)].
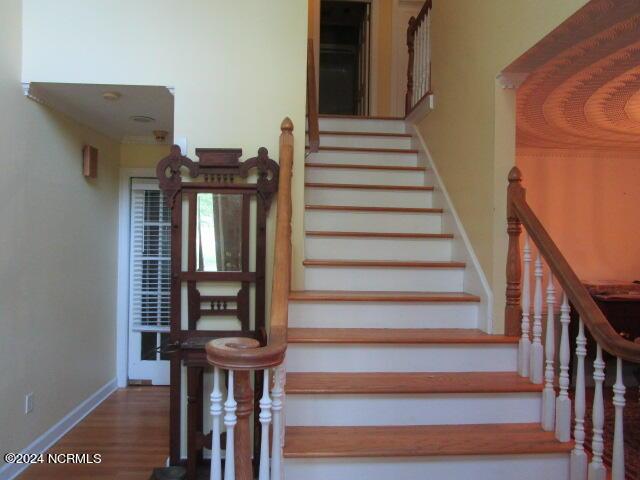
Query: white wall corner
[(475, 281), (511, 80), (45, 441)]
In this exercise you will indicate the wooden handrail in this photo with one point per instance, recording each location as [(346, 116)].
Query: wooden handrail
[(312, 100), (238, 353), (519, 211), (414, 24)]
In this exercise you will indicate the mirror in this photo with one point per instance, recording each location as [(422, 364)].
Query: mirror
[(218, 232)]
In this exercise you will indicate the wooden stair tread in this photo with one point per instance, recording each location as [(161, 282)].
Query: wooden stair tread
[(368, 150), (314, 233), (364, 134), (384, 296), (349, 208), (421, 441), (357, 166), (412, 383), (381, 263), (396, 336), (360, 117), (361, 186)]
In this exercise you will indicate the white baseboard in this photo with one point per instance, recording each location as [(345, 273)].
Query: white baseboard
[(475, 280), (47, 439)]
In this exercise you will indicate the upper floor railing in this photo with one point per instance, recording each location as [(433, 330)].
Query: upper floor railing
[(312, 100), (537, 361), (239, 356), (419, 65)]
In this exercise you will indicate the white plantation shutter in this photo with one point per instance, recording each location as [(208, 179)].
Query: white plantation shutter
[(150, 258)]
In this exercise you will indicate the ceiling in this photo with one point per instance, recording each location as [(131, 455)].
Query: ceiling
[(85, 104), (582, 86)]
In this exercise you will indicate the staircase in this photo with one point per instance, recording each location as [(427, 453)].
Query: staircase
[(389, 373)]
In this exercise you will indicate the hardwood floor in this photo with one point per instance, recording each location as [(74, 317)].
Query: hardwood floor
[(130, 430)]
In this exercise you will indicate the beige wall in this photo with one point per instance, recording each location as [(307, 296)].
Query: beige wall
[(588, 201), (471, 132), (238, 67), (58, 244), (141, 156)]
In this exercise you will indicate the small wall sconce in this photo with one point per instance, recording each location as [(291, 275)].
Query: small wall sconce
[(89, 161)]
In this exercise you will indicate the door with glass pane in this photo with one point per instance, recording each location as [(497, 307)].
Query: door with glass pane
[(149, 283)]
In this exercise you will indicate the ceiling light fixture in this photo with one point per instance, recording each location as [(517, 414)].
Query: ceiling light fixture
[(111, 96), (142, 119)]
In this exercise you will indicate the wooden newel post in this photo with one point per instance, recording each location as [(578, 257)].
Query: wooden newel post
[(242, 440), (410, 46), (513, 310)]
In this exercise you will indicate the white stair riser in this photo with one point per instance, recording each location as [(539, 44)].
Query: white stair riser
[(485, 467), (382, 315), (348, 221), (362, 125), (412, 409), (364, 141), (353, 248), (328, 357), (363, 176), (384, 279), (365, 158), (361, 197)]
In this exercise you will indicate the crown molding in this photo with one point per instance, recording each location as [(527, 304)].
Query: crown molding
[(145, 140), (511, 80)]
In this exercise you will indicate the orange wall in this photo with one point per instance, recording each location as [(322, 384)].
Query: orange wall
[(589, 201)]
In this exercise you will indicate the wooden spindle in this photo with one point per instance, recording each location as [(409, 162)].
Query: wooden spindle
[(563, 402), (277, 473), (428, 87), (549, 393), (597, 470), (578, 454), (265, 421), (421, 63), (230, 420), (242, 436), (535, 369), (410, 64), (617, 464), (216, 413), (524, 346)]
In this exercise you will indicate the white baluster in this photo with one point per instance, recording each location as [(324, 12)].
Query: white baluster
[(428, 76), (423, 31), (283, 430), (524, 347), (277, 473), (549, 393), (597, 470), (418, 66), (563, 402), (535, 368), (265, 420), (216, 412), (416, 61), (578, 454), (230, 420), (617, 464)]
